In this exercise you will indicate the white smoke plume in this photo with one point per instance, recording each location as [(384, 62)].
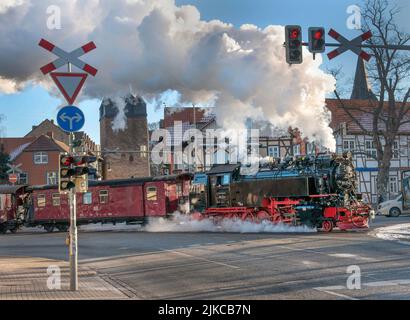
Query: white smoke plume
[(155, 46), (188, 223)]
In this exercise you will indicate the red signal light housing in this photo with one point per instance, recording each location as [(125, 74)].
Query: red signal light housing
[(66, 160), (318, 35), (294, 33)]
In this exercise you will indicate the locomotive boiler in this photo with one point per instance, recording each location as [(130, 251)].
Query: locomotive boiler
[(318, 191)]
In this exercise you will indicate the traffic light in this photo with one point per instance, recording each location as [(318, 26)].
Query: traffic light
[(83, 171), (65, 172), (74, 171), (293, 44), (317, 41)]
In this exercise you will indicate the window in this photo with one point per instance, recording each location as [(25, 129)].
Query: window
[(88, 198), (296, 150), (2, 201), (395, 150), (56, 199), (179, 189), (51, 177), (40, 158), (143, 150), (310, 148), (370, 149), (103, 196), (348, 145), (23, 178), (273, 152), (41, 200), (152, 193), (5, 201), (393, 185)]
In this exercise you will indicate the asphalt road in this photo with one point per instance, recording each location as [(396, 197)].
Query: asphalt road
[(235, 266)]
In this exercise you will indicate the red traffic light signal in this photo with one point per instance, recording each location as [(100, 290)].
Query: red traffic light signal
[(294, 33), (293, 44), (317, 35), (78, 161), (66, 160), (317, 41)]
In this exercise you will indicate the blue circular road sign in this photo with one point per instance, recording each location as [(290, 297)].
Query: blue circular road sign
[(70, 119)]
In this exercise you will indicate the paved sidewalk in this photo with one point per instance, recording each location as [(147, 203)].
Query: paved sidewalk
[(25, 278)]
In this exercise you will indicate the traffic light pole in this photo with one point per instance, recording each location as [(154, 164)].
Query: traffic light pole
[(73, 252)]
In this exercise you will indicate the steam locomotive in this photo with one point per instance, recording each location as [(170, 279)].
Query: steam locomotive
[(317, 191)]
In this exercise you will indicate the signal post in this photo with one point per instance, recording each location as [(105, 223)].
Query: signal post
[(73, 168), (73, 251)]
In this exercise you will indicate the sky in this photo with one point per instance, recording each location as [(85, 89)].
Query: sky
[(32, 105)]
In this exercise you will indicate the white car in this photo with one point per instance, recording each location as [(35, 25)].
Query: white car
[(392, 208)]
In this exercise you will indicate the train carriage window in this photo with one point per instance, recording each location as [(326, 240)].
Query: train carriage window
[(152, 193), (179, 189), (56, 199), (2, 201), (103, 196), (41, 200), (88, 198)]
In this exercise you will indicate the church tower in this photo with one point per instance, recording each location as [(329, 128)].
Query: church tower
[(361, 88), (124, 137)]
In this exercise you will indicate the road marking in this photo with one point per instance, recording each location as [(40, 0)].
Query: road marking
[(200, 258), (387, 283), (350, 256), (336, 294)]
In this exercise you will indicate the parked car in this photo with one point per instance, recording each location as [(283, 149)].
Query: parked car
[(392, 208)]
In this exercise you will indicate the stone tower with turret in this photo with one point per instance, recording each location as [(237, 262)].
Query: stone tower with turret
[(124, 137)]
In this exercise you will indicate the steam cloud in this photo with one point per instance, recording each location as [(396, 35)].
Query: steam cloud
[(155, 46), (186, 223)]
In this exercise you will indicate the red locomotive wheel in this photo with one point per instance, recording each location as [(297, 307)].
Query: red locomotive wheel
[(262, 215), (327, 226), (277, 218)]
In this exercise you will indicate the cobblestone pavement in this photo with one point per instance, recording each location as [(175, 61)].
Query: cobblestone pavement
[(25, 278)]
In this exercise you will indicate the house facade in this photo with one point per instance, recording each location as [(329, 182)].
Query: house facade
[(350, 137), (37, 158)]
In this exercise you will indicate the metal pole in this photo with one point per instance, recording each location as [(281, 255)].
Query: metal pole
[(373, 46), (73, 251), (73, 233)]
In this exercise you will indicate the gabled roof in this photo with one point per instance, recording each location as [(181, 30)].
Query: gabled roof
[(45, 143), (362, 110), (44, 122)]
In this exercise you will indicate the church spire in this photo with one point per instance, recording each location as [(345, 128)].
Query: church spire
[(361, 89)]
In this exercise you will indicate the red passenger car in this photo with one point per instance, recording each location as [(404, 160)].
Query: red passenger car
[(11, 207), (111, 201)]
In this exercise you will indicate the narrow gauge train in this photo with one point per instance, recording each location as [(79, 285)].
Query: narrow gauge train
[(109, 201), (315, 191), (318, 191)]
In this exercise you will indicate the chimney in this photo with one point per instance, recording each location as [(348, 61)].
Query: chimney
[(50, 134)]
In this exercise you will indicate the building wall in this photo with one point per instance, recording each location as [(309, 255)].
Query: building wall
[(37, 173), (367, 167), (123, 163)]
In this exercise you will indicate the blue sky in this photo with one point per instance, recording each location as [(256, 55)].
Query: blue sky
[(34, 104)]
